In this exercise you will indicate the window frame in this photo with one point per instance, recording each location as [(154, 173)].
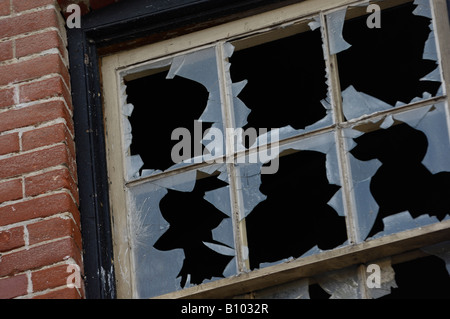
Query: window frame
[(110, 237), (122, 25)]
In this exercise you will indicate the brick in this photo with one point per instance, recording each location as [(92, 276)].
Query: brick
[(51, 181), (34, 115), (65, 293), (22, 5), (10, 190), (32, 69), (11, 239), (6, 97), (39, 42), (47, 136), (39, 256), (37, 160), (4, 8), (6, 50), (28, 22), (50, 278), (9, 143), (38, 208), (13, 286), (53, 228), (53, 87)]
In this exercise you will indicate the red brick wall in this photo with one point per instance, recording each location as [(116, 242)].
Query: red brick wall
[(39, 217)]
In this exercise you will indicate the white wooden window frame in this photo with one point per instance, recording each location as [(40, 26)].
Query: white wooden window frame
[(251, 29)]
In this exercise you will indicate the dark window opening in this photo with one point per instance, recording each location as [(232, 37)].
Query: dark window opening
[(387, 62), (423, 278), (403, 183), (295, 216), (286, 81), (160, 106), (192, 220)]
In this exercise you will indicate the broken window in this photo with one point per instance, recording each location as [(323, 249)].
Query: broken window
[(400, 174), (287, 74), (422, 274), (259, 148), (422, 278), (174, 233), (396, 63), (302, 213), (151, 96)]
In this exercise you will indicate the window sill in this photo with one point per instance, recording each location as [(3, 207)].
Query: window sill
[(312, 265)]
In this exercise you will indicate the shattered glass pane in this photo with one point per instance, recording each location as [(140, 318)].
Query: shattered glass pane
[(392, 65), (293, 214), (385, 282), (350, 283), (335, 24), (154, 103), (400, 171), (182, 94), (286, 84), (180, 237), (423, 278), (342, 283)]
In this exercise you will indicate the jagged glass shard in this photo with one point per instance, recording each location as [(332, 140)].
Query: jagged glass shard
[(224, 232), (434, 75), (423, 8), (241, 111), (183, 182), (404, 221), (146, 226), (315, 23), (134, 164), (335, 23), (212, 112), (221, 249), (337, 202), (357, 104), (127, 109), (341, 284), (220, 198)]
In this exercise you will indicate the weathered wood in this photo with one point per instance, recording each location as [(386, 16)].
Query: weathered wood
[(312, 265)]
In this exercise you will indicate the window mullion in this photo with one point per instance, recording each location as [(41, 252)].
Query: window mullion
[(344, 164), (336, 102), (439, 9), (237, 203)]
